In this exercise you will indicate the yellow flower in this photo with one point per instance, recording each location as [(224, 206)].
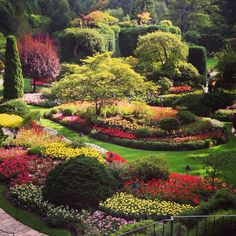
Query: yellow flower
[(10, 121)]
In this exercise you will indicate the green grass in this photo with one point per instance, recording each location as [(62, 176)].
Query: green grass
[(211, 62), (177, 160), (28, 218)]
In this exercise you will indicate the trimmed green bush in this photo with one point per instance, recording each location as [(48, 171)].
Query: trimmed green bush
[(128, 37), (13, 79), (224, 115), (15, 106), (69, 111), (77, 44), (79, 183), (186, 116), (169, 124), (150, 168), (143, 133), (198, 58)]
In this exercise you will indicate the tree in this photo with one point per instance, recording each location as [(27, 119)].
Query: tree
[(160, 49), (101, 79), (39, 58), (144, 17), (13, 79)]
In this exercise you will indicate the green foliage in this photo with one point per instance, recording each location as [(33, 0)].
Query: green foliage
[(227, 67), (39, 23), (35, 151), (128, 37), (130, 227), (79, 183), (101, 78), (166, 22), (169, 124), (13, 78), (69, 111), (150, 168), (184, 73), (159, 50), (224, 115), (198, 57), (186, 116), (163, 85), (77, 44), (143, 133), (15, 106)]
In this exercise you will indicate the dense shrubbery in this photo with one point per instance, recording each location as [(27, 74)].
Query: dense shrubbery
[(15, 106), (92, 183), (169, 124), (150, 168), (186, 116)]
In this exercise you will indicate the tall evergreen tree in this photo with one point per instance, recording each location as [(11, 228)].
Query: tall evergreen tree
[(13, 79)]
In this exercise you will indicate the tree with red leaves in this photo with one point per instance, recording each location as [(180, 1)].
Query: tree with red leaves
[(39, 58)]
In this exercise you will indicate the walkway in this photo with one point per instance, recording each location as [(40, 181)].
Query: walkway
[(10, 227)]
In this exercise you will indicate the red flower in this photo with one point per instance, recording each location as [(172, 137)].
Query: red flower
[(113, 157)]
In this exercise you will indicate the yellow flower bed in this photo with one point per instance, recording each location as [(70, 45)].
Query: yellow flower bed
[(10, 121), (124, 204), (61, 151)]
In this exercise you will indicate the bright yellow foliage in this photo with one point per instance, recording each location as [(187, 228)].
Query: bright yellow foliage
[(10, 121), (61, 151), (128, 205), (144, 17)]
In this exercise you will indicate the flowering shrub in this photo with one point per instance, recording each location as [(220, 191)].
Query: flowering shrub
[(181, 188), (34, 98), (162, 112), (124, 204), (99, 223), (113, 157), (115, 132), (12, 152), (180, 89), (32, 137), (61, 151), (70, 119), (10, 121), (26, 169), (121, 123)]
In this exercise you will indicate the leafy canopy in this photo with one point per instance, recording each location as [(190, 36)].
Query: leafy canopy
[(100, 79)]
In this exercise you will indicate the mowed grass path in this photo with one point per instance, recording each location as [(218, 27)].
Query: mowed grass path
[(177, 159)]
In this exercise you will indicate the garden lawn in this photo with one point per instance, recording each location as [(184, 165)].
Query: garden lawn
[(177, 160), (28, 218)]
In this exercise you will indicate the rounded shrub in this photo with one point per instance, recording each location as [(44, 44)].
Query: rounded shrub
[(70, 111), (143, 133), (150, 168), (15, 106), (169, 124), (187, 116), (79, 183)]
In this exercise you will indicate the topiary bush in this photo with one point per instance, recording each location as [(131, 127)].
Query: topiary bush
[(77, 44), (13, 79), (169, 124), (69, 111), (198, 58), (143, 133), (186, 116), (150, 168), (15, 106), (79, 183)]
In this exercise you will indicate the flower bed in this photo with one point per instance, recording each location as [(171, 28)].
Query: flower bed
[(126, 205), (10, 121), (180, 89), (61, 151), (180, 188), (12, 152)]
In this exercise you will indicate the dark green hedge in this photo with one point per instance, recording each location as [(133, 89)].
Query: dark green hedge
[(128, 37), (14, 106), (198, 58)]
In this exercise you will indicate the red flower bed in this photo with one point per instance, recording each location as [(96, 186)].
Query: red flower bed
[(180, 89), (113, 157), (115, 132), (210, 134), (26, 169), (181, 188), (71, 119)]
